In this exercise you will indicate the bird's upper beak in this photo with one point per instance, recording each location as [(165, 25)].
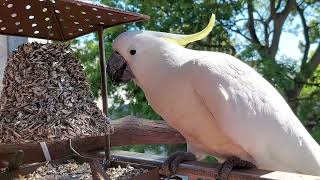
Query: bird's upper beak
[(118, 70)]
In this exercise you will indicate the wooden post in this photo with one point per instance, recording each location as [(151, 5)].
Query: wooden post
[(104, 92)]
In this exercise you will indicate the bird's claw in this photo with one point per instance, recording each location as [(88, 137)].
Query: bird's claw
[(169, 167), (225, 168)]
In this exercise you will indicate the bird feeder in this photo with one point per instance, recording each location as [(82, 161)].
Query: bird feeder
[(64, 20)]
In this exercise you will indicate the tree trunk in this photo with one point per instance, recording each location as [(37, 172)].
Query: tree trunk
[(293, 97)]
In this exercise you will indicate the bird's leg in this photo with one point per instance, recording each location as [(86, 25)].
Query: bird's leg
[(226, 167), (171, 164)]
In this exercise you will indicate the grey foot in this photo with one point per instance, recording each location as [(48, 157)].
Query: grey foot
[(171, 164), (225, 168)]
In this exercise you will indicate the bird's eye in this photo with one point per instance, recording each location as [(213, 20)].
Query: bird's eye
[(133, 52)]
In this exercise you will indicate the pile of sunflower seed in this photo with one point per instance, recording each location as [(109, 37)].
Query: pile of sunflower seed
[(124, 173), (73, 170), (46, 97), (68, 170)]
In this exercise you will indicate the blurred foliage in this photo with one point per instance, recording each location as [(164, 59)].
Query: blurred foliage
[(190, 16)]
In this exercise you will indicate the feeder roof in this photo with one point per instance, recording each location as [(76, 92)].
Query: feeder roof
[(60, 20)]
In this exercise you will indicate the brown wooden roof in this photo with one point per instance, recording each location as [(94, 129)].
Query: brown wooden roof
[(59, 19)]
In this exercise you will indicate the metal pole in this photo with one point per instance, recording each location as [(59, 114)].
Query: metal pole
[(104, 88)]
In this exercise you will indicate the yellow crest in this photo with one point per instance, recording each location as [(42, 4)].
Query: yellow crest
[(186, 39)]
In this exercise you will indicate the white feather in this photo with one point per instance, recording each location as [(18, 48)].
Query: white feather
[(253, 114)]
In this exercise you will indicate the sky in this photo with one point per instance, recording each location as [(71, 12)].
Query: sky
[(289, 42), (289, 45)]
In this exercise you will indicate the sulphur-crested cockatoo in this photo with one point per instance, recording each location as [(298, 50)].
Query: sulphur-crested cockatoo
[(220, 105)]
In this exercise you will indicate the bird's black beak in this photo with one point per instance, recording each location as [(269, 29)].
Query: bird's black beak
[(118, 70)]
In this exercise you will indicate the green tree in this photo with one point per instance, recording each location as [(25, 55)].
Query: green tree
[(264, 23), (261, 24)]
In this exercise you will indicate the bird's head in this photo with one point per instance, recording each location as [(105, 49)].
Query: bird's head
[(136, 51)]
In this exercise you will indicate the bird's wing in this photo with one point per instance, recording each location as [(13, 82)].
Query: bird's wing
[(253, 114)]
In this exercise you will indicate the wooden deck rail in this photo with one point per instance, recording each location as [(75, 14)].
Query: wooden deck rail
[(195, 170), (131, 130), (127, 131)]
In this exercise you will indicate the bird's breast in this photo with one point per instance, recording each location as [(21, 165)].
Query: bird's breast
[(185, 111)]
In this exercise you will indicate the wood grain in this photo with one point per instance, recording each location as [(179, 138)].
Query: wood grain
[(127, 131)]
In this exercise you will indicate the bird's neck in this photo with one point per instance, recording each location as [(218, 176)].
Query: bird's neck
[(158, 71)]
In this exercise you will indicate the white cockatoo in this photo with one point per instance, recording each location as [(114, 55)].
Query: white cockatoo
[(220, 105)]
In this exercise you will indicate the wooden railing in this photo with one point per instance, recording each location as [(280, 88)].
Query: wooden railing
[(129, 131), (195, 170)]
